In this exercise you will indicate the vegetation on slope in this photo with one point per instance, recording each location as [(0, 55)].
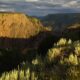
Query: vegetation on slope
[(63, 56), (62, 62)]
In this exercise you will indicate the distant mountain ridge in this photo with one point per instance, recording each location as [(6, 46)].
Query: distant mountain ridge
[(60, 20), (66, 24)]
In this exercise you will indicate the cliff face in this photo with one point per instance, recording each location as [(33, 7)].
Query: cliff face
[(18, 34), (16, 25), (17, 30)]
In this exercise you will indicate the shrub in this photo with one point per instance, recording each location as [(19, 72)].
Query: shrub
[(66, 50), (73, 59), (53, 53)]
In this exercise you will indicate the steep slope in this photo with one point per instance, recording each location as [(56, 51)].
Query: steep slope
[(17, 25), (20, 36), (18, 31)]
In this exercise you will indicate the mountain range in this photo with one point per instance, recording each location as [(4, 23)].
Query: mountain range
[(63, 24)]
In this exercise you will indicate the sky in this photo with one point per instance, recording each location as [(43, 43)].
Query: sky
[(40, 7)]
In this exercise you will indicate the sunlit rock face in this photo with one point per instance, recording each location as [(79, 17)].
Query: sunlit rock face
[(17, 30), (17, 25)]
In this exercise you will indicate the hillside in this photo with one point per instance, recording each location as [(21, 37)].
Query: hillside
[(20, 31), (17, 25), (59, 21), (67, 23), (20, 35), (30, 51)]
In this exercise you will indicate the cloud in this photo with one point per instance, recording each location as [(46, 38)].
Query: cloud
[(40, 7), (31, 0), (74, 4), (7, 9)]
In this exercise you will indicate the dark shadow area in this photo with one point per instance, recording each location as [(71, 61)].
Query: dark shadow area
[(46, 44), (10, 59), (15, 43), (13, 51), (73, 34), (49, 40)]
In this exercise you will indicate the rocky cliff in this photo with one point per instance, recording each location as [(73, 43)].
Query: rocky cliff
[(17, 30), (17, 25)]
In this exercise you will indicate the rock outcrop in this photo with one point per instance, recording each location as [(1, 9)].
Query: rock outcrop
[(18, 30), (17, 25)]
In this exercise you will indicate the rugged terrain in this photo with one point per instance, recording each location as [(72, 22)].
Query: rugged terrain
[(63, 25), (24, 38), (18, 31)]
